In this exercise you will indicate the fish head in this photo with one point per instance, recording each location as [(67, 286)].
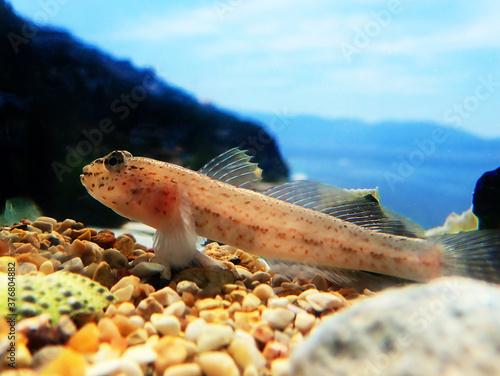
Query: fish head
[(132, 187)]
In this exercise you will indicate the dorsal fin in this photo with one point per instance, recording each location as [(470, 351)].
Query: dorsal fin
[(233, 167), (363, 211)]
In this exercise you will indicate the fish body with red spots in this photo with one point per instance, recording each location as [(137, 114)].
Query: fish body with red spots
[(298, 222)]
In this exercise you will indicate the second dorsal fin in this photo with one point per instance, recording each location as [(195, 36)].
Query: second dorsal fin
[(233, 167), (363, 211)]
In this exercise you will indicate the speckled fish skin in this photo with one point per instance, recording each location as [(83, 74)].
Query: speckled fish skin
[(172, 199)]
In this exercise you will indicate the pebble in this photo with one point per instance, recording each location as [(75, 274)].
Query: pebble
[(45, 355), (149, 269), (125, 245), (66, 224), (147, 307), (166, 324), (194, 329), (264, 291), (114, 258), (105, 239), (304, 322), (214, 337), (126, 308), (216, 363), (26, 268), (323, 301), (47, 267), (142, 354), (125, 293), (166, 296), (68, 359), (137, 337), (280, 318), (187, 369), (278, 302), (449, 326), (250, 303), (274, 350), (245, 352), (50, 220), (261, 277), (208, 303), (130, 280), (171, 352), (188, 286), (86, 340), (103, 274), (43, 225), (280, 367), (124, 325), (176, 309)]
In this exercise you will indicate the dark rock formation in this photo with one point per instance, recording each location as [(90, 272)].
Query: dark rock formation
[(486, 200), (63, 104)]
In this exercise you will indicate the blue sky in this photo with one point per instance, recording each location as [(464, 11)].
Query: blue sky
[(372, 60)]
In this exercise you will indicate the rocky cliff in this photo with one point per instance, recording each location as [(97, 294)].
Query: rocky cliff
[(64, 103)]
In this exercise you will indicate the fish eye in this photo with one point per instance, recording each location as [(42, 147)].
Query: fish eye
[(115, 160)]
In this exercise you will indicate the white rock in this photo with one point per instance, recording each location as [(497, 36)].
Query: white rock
[(250, 303), (214, 336), (166, 324), (279, 318), (186, 369), (449, 326), (323, 301), (176, 309), (216, 363), (304, 322), (194, 328), (142, 354), (245, 352)]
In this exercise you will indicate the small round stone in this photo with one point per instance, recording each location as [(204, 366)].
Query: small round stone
[(124, 294), (47, 267), (114, 258), (43, 225), (250, 303), (304, 322), (125, 245), (176, 309), (208, 303), (245, 352), (323, 301), (104, 275), (194, 329), (148, 269), (280, 318), (166, 296), (187, 369), (166, 324), (216, 363), (264, 291), (214, 337), (188, 286), (142, 354)]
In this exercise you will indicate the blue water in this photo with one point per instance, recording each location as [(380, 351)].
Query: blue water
[(424, 171)]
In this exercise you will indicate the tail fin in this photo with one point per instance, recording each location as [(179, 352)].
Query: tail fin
[(473, 254)]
